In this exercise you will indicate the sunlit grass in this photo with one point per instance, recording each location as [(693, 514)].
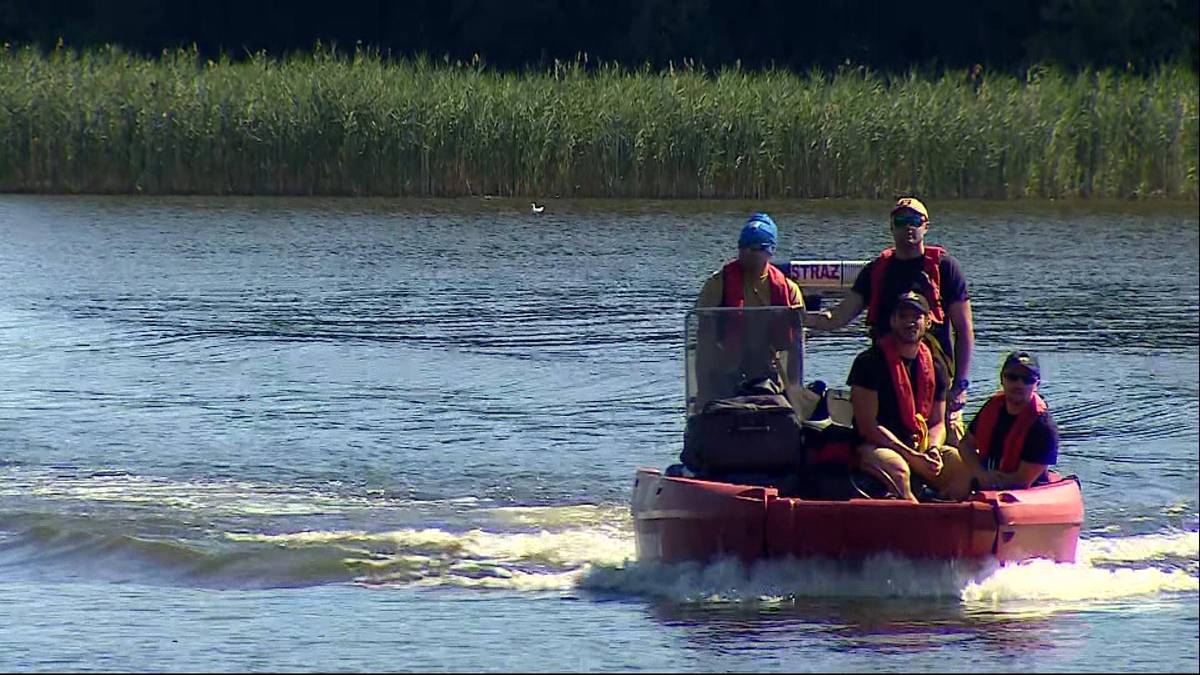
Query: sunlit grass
[(105, 121)]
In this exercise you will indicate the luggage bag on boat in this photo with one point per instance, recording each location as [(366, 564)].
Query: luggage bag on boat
[(757, 431)]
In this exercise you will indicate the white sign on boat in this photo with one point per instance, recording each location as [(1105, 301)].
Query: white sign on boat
[(832, 275)]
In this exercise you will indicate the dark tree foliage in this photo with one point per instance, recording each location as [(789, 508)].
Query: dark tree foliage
[(890, 36)]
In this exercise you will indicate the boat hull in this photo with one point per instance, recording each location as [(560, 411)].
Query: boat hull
[(680, 519)]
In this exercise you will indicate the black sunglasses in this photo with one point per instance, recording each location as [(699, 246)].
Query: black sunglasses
[(907, 220), (1027, 379)]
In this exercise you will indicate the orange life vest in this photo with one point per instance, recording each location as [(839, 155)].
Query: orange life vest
[(1014, 441), (910, 400), (731, 278), (933, 259), (733, 295)]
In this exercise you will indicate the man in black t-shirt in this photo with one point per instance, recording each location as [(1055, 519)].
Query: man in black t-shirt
[(1013, 439), (898, 393), (913, 264)]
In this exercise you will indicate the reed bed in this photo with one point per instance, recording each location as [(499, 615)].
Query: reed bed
[(103, 121)]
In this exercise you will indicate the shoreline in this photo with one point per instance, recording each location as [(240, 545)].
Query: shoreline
[(520, 206)]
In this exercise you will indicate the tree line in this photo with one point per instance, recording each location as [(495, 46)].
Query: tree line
[(929, 35)]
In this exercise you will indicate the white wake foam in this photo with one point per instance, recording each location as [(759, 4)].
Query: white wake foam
[(592, 547), (1140, 547), (1045, 580), (888, 577), (601, 558)]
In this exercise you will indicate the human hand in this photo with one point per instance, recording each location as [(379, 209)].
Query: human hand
[(957, 399), (933, 460), (931, 457)]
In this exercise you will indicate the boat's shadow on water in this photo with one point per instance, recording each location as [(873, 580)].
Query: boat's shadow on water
[(851, 625), (778, 582)]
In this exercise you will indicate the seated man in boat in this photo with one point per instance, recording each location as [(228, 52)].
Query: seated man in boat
[(1013, 439), (898, 393), (913, 264), (748, 349)]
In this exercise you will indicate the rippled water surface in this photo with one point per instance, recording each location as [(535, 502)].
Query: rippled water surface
[(263, 434)]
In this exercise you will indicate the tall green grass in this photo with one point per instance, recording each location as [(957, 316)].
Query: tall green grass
[(105, 121)]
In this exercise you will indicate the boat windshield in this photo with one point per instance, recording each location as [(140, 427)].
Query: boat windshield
[(727, 347)]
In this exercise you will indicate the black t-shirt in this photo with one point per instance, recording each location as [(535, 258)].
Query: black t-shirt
[(903, 276), (870, 371), (1041, 443)]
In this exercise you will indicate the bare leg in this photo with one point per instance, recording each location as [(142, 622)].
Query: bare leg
[(888, 464), (954, 480)]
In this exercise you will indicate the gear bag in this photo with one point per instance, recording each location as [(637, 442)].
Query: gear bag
[(755, 431)]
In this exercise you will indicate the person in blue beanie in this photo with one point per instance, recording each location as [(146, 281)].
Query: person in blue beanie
[(750, 280), (749, 346)]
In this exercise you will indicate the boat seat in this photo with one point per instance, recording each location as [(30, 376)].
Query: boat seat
[(823, 404)]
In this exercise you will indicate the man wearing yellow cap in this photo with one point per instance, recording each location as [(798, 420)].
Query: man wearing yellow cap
[(932, 272)]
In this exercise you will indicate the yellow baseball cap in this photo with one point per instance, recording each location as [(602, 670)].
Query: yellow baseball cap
[(912, 204)]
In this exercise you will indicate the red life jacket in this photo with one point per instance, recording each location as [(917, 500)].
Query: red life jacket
[(933, 259), (836, 452), (910, 402), (733, 295), (731, 277), (1014, 441)]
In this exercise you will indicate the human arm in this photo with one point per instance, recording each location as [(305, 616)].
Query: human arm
[(849, 307), (935, 430), (711, 292), (1023, 477), (865, 403), (937, 424), (793, 352), (709, 381), (711, 295), (795, 301), (868, 377), (795, 296), (841, 314), (964, 343), (968, 449), (1039, 453), (958, 309)]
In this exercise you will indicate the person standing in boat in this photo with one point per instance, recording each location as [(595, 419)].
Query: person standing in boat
[(749, 349), (912, 264), (898, 393), (1013, 439)]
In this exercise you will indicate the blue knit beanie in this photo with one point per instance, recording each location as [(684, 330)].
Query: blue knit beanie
[(759, 232)]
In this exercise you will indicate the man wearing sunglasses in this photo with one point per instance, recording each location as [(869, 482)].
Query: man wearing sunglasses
[(1013, 439), (910, 264)]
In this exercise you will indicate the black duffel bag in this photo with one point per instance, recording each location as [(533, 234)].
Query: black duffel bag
[(752, 432)]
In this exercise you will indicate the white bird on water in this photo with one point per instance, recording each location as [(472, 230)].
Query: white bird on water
[(534, 208)]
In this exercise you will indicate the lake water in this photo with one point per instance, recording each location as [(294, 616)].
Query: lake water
[(268, 434)]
